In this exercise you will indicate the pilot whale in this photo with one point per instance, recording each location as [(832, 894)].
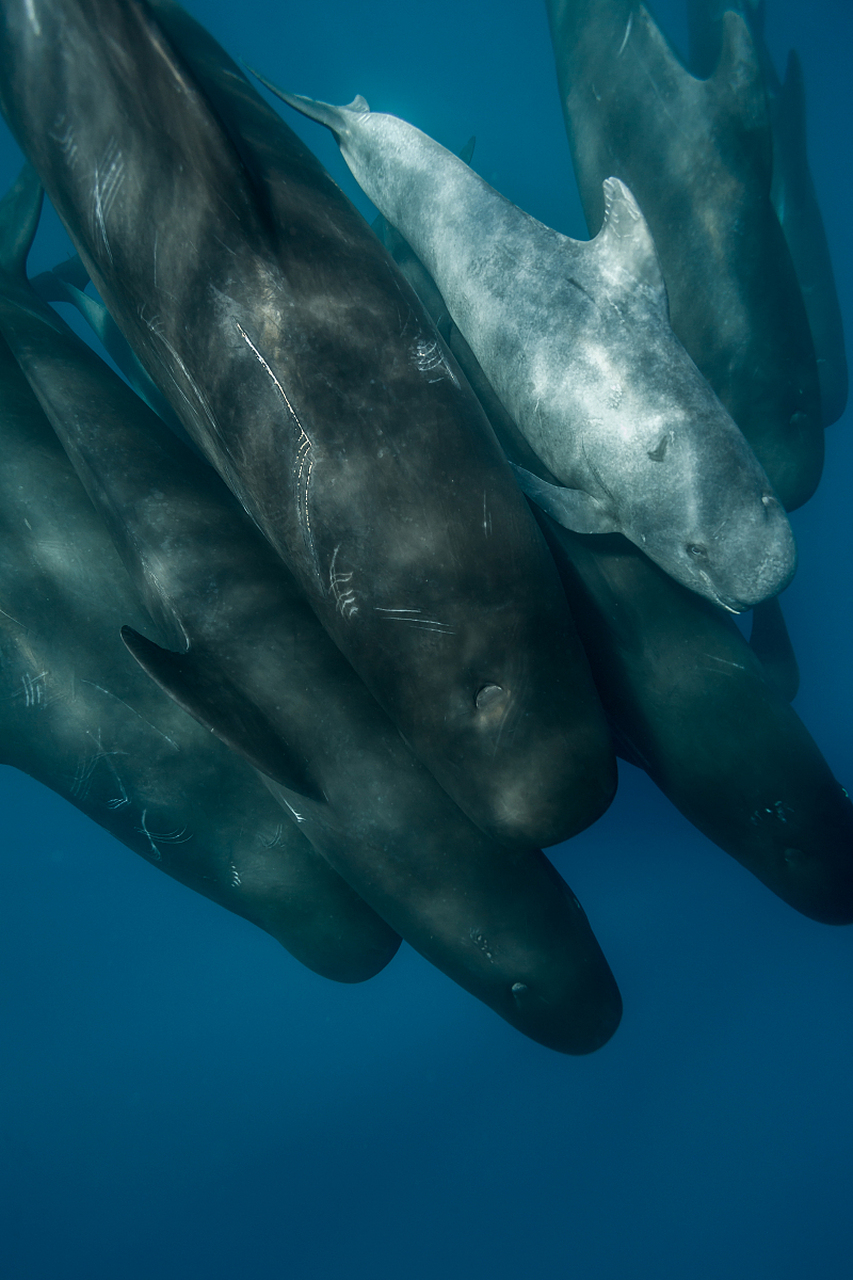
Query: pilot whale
[(78, 714), (705, 714), (697, 154), (253, 664), (576, 341), (792, 190), (315, 383)]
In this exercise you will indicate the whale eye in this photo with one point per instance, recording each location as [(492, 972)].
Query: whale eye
[(487, 696), (696, 551)]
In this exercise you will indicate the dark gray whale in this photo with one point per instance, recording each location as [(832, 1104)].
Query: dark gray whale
[(78, 714), (254, 665), (697, 155), (792, 190), (315, 383)]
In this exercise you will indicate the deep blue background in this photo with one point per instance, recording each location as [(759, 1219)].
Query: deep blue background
[(179, 1098)]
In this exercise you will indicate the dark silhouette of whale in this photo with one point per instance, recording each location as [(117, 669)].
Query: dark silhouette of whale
[(697, 155), (78, 714), (792, 189), (314, 381), (705, 714), (254, 665)]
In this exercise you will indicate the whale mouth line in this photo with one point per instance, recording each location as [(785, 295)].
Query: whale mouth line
[(735, 607)]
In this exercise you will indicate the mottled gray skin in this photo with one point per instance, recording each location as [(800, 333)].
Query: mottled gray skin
[(576, 341), (314, 382), (792, 190), (697, 154), (255, 666), (78, 714), (705, 714)]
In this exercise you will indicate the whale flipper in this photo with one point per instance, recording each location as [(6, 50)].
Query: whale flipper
[(572, 508), (771, 644), (228, 714)]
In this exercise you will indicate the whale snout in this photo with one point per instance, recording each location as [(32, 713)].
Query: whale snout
[(750, 557)]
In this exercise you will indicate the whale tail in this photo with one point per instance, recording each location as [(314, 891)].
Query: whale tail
[(334, 118), (20, 210)]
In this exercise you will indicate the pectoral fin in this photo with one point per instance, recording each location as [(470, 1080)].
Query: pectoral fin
[(771, 644), (224, 710), (572, 508)]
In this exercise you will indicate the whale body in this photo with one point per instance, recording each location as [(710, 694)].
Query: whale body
[(698, 154), (576, 341), (314, 382), (253, 664)]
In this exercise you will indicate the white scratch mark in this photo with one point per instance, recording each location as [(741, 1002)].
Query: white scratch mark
[(105, 191), (33, 17), (298, 816), (115, 696), (33, 687), (304, 450), (413, 618), (626, 35), (276, 840), (66, 140), (117, 802), (154, 327), (179, 836), (429, 358), (11, 619), (343, 595), (725, 662), (487, 517)]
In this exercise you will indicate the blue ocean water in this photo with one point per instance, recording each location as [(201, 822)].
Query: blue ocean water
[(179, 1098)]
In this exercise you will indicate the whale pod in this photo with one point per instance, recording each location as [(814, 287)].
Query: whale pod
[(697, 154), (313, 380), (78, 714), (705, 714), (254, 665), (575, 339)]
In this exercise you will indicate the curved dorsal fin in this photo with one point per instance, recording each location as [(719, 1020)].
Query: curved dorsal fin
[(20, 209), (625, 237)]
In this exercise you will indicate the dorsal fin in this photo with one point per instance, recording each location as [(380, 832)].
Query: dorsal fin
[(20, 210), (737, 93), (54, 287), (466, 155), (237, 721), (50, 285), (625, 236)]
